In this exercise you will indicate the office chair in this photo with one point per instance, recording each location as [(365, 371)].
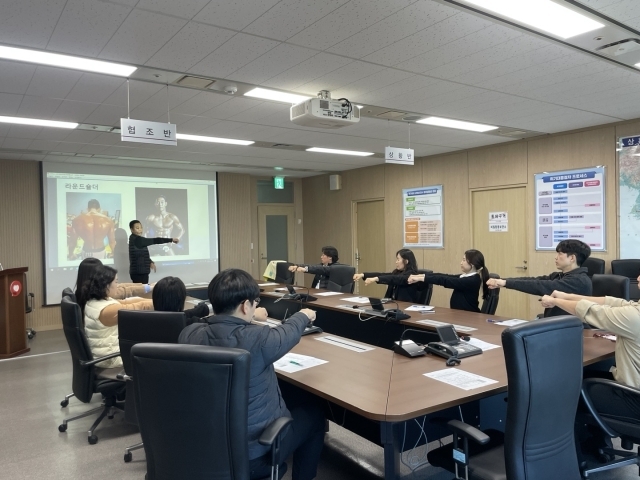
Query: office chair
[(206, 390), (425, 295), (87, 377), (490, 304), (543, 399), (67, 292), (594, 266), (138, 326), (341, 279), (627, 429), (629, 268), (610, 285), (28, 308), (283, 275)]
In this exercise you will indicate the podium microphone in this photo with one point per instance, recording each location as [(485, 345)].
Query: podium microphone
[(409, 348)]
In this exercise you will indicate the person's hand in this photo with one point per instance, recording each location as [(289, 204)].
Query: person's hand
[(560, 295), (358, 276), (371, 280), (494, 283), (153, 267), (415, 279), (311, 314), (548, 301), (293, 268), (260, 314), (300, 269), (175, 240)]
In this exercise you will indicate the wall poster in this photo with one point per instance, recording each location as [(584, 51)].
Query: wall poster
[(423, 217)]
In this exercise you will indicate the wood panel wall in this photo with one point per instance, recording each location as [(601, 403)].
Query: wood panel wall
[(235, 219)]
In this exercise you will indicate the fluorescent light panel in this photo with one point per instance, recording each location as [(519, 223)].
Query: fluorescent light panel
[(200, 138), (66, 61), (542, 15), (37, 122), (267, 94), (339, 152), (446, 122)]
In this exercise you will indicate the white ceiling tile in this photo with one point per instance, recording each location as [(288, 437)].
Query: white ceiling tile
[(15, 76), (266, 109), (240, 50), (289, 17), (38, 107), (231, 108), (72, 111), (200, 103), (373, 82), (189, 46), (193, 125), (346, 21), (29, 24), (140, 36), (17, 143), (85, 26), (109, 115), (94, 88), (82, 136), (53, 82), (53, 134), (24, 131), (234, 15), (9, 104), (307, 71), (139, 92), (344, 76), (183, 8), (272, 63), (46, 145)]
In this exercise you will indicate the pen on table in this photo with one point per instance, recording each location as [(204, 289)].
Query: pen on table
[(491, 320), (295, 363)]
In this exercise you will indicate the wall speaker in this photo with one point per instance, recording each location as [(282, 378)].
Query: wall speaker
[(335, 182)]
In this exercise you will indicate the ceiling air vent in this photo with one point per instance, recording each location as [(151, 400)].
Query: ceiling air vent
[(620, 48), (194, 82)]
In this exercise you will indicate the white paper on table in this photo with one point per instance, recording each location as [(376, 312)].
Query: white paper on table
[(460, 378), (419, 308), (294, 362), (511, 323), (267, 284), (482, 344), (435, 323), (357, 299), (344, 343), (328, 294), (351, 308)]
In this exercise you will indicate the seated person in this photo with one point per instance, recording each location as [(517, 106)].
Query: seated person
[(235, 295), (100, 312), (466, 286), (328, 258), (86, 270), (571, 278), (169, 295), (398, 288)]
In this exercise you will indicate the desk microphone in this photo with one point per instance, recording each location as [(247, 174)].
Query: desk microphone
[(412, 349), (395, 314)]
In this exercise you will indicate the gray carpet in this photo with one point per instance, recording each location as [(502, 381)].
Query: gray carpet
[(32, 448)]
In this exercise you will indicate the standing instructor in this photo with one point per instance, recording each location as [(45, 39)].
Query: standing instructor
[(140, 264)]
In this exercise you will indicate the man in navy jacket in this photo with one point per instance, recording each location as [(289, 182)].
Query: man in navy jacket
[(234, 297)]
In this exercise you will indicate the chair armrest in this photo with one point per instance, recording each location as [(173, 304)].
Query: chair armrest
[(90, 363), (466, 430), (611, 385), (272, 432), (125, 377)]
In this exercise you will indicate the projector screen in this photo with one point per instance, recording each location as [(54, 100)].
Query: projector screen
[(87, 210)]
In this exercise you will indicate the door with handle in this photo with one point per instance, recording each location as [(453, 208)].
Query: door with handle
[(276, 234), (369, 244)]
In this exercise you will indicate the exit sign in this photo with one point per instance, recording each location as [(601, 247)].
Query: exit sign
[(278, 183)]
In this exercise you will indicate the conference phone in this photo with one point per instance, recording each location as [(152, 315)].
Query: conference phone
[(450, 344)]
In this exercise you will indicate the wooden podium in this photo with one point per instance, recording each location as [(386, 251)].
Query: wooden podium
[(13, 318)]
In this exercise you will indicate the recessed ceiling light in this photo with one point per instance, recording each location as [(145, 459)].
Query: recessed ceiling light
[(543, 15), (360, 106), (446, 122), (37, 122), (277, 96), (200, 138), (66, 61), (278, 168), (339, 152)]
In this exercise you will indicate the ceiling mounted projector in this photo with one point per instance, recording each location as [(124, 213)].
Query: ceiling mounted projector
[(323, 112)]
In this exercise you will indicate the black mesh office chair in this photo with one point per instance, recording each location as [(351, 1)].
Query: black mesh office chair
[(615, 426), (87, 377), (490, 304), (283, 275), (206, 436), (594, 266), (67, 292), (629, 268), (610, 285), (543, 399), (425, 294), (138, 326), (341, 278)]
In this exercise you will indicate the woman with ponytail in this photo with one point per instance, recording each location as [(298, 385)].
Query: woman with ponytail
[(466, 286)]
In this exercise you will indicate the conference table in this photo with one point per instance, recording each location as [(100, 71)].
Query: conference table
[(378, 392)]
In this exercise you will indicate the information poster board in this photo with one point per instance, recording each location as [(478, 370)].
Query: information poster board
[(629, 200), (422, 214), (571, 204)]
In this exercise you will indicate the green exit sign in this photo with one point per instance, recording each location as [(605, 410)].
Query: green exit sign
[(278, 183)]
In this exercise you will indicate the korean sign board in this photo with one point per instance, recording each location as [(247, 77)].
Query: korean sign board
[(402, 156), (498, 221), (423, 217), (147, 132)]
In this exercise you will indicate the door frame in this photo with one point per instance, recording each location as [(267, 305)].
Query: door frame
[(354, 231), (292, 247), (500, 187)]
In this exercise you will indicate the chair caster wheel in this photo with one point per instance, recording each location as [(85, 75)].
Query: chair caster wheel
[(92, 440), (62, 428), (64, 403), (128, 457)]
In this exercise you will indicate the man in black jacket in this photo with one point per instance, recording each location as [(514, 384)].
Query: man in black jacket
[(140, 264), (328, 258), (572, 277), (234, 296)]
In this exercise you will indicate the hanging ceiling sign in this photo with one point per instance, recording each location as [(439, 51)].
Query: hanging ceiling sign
[(142, 131), (402, 156)]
